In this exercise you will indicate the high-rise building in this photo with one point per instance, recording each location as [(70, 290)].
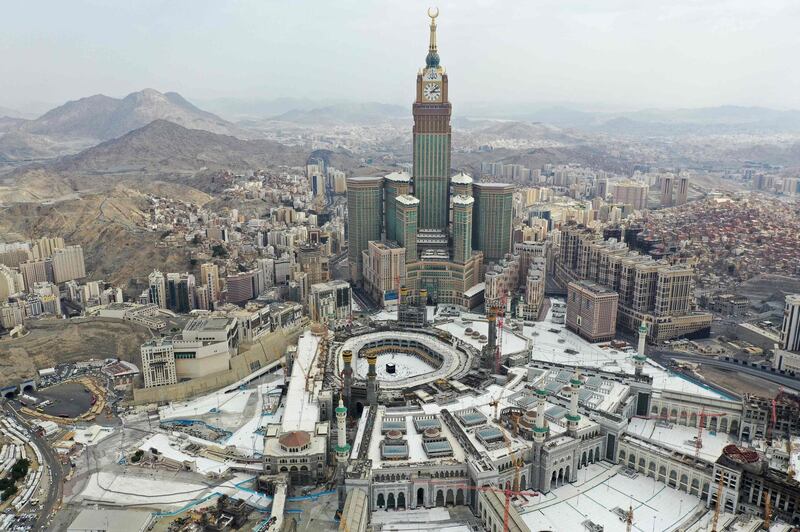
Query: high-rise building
[(431, 140), (667, 185), (592, 310), (158, 289), (407, 212), (312, 260), (241, 287), (37, 271), (364, 218), (11, 282), (421, 248), (462, 227), (649, 290), (630, 193), (209, 277), (330, 301), (45, 246), (384, 271), (682, 194), (790, 329), (68, 264), (492, 215), (396, 184)]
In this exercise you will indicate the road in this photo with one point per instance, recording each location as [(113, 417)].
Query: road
[(55, 485), (660, 355)]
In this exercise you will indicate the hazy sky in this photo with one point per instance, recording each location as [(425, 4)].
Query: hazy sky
[(620, 53)]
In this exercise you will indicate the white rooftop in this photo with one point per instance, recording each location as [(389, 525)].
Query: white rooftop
[(598, 491), (303, 411)]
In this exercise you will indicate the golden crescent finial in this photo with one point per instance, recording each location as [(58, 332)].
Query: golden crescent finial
[(433, 12)]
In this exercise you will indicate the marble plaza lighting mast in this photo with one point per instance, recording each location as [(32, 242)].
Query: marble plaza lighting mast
[(639, 358), (573, 418)]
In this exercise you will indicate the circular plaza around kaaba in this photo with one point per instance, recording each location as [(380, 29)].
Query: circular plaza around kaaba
[(417, 358)]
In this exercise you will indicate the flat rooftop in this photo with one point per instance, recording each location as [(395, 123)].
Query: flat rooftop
[(207, 324)]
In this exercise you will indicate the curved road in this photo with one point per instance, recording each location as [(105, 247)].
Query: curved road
[(55, 482), (786, 382)]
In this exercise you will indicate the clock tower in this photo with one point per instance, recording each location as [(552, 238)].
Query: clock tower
[(431, 138)]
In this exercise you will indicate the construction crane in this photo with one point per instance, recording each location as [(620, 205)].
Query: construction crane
[(790, 472), (773, 416), (508, 493), (715, 519), (516, 461)]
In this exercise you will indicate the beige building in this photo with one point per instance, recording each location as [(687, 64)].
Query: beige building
[(592, 311), (205, 346), (384, 271), (649, 290), (314, 262), (68, 264), (209, 277), (631, 193), (330, 301)]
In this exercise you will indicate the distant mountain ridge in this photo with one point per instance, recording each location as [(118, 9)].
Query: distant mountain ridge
[(98, 118), (103, 117)]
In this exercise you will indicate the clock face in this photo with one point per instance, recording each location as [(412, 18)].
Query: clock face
[(432, 74), (432, 92)]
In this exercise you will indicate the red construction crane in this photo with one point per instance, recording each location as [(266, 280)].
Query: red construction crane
[(507, 492), (774, 416)]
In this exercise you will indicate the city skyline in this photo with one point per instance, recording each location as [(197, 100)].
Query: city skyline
[(610, 54)]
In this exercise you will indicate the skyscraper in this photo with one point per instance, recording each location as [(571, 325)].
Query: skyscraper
[(407, 212), (683, 190), (395, 184), (431, 139), (493, 214), (364, 218), (68, 264), (422, 248), (462, 228), (667, 184), (158, 289), (790, 329)]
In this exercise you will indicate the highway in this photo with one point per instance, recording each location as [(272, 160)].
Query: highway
[(660, 355), (55, 482)]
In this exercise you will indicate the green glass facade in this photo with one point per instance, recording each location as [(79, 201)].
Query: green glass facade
[(431, 173), (492, 217), (462, 228), (395, 185), (364, 218), (407, 207)]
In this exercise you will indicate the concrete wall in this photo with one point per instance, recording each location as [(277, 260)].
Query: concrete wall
[(262, 352)]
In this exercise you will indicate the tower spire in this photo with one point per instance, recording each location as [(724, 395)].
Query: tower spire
[(433, 53)]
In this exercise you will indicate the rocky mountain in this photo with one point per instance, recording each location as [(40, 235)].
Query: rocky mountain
[(95, 220), (98, 118), (161, 150), (102, 117)]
